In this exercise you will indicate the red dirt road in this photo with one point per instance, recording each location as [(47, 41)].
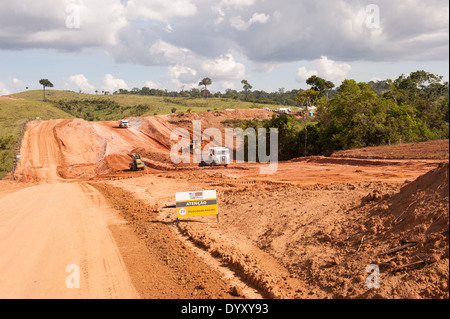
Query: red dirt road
[(49, 226), (46, 228)]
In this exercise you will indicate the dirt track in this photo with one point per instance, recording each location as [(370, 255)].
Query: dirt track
[(47, 227), (307, 231)]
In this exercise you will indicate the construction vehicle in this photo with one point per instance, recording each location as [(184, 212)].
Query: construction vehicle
[(194, 147), (137, 164), (123, 124), (285, 110), (218, 156)]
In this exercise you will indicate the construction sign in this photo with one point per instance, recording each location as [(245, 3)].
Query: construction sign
[(200, 203)]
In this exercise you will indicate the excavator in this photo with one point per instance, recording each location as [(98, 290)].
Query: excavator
[(137, 164)]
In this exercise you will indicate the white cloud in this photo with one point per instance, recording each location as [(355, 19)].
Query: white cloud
[(165, 52), (169, 28), (182, 75), (152, 85), (332, 70), (18, 85), (259, 18), (82, 83), (241, 25), (325, 68), (3, 89), (187, 68), (13, 85), (264, 67), (43, 24), (224, 85), (224, 67), (237, 3), (303, 74), (160, 10), (112, 84), (220, 14)]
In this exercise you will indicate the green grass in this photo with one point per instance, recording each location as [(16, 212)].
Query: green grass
[(12, 116), (156, 104)]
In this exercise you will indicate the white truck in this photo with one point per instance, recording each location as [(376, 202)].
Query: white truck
[(123, 124), (285, 110), (218, 156)]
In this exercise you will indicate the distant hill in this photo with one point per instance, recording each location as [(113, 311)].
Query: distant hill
[(100, 107)]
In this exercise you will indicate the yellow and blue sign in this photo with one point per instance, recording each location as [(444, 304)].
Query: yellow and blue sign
[(200, 203)]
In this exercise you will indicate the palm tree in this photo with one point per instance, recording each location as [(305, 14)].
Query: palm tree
[(205, 82), (45, 83)]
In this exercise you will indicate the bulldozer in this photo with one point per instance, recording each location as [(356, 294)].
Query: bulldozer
[(137, 164)]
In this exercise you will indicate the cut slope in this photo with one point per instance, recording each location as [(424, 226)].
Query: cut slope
[(421, 207), (407, 235), (82, 149)]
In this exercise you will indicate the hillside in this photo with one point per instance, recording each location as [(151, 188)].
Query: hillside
[(101, 107), (13, 113)]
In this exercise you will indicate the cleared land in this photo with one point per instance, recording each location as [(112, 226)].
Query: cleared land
[(308, 231)]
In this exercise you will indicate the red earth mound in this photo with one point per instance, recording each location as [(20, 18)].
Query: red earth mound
[(424, 150), (407, 234)]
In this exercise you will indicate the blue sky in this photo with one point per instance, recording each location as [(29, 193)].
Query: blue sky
[(106, 45)]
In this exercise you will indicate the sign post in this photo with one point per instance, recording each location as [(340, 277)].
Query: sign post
[(201, 203)]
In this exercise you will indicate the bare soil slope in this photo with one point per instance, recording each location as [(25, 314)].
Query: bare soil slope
[(426, 150)]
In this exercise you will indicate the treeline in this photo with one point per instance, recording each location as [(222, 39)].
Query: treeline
[(100, 109), (281, 97), (412, 108)]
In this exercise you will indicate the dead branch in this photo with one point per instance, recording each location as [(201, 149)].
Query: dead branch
[(409, 265), (362, 240), (405, 210), (397, 249)]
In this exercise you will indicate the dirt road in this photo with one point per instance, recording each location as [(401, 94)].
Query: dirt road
[(55, 232), (46, 228)]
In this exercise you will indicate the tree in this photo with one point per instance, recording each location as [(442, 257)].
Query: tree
[(319, 84), (195, 93), (205, 82), (247, 88), (426, 93), (328, 86), (307, 99), (357, 117), (45, 83)]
